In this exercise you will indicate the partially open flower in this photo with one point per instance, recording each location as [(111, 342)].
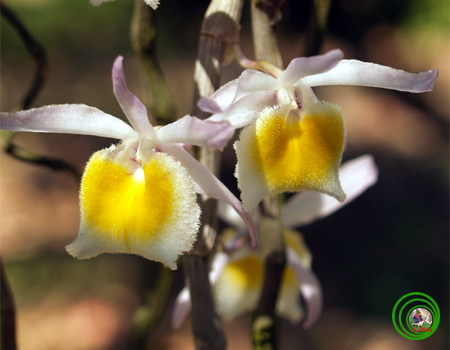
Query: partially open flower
[(139, 196), (239, 285), (293, 141)]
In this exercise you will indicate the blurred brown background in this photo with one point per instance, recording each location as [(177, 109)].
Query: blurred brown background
[(390, 241)]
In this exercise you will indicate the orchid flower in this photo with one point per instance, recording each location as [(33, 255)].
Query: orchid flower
[(136, 197), (293, 142), (152, 3), (238, 278)]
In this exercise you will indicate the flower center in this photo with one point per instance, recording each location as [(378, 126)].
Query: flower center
[(289, 96)]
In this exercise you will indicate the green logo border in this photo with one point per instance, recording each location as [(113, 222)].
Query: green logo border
[(424, 301)]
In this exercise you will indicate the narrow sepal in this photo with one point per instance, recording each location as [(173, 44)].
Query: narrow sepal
[(67, 119), (353, 72), (193, 131), (206, 183), (133, 108)]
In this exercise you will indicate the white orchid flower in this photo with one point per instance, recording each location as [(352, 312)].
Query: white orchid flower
[(238, 279), (152, 3), (294, 142), (139, 196)]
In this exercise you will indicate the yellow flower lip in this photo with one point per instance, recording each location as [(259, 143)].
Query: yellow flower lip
[(143, 205), (123, 180), (288, 150)]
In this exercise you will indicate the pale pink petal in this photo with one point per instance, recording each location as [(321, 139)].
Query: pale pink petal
[(304, 66), (249, 82), (356, 176), (244, 111), (218, 265), (131, 106), (206, 183), (353, 72), (67, 119), (226, 213), (252, 81), (221, 99), (309, 287), (181, 308), (193, 131)]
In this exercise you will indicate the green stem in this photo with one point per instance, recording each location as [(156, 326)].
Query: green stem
[(143, 40), (147, 317), (317, 27), (264, 324)]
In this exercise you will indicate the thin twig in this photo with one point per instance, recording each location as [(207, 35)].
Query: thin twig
[(219, 28), (39, 56), (36, 52), (8, 316)]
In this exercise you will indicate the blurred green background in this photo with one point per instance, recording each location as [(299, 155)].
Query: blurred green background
[(391, 241)]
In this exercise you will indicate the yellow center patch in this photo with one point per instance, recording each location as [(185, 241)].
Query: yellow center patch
[(129, 204), (291, 151), (299, 152), (246, 273)]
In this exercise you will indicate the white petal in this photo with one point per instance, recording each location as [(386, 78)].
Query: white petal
[(206, 183), (356, 176), (304, 66), (353, 72), (131, 106), (220, 261), (288, 304), (252, 81), (249, 82), (193, 131), (152, 3), (309, 286), (244, 111), (181, 308), (221, 99), (226, 213), (67, 119)]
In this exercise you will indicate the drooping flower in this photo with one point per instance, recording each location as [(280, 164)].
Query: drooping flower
[(138, 196), (238, 278), (152, 3), (294, 142)]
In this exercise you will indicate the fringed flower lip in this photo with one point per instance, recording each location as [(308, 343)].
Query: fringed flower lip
[(293, 142), (356, 175), (138, 196)]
